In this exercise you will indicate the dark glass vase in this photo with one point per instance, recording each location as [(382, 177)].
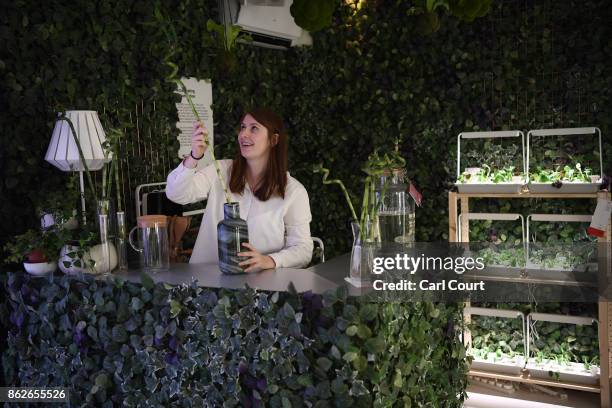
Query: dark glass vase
[(232, 232)]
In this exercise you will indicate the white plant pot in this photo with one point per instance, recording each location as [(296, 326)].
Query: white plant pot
[(96, 253), (40, 268)]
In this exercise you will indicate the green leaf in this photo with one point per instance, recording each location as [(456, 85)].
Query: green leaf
[(351, 330), (368, 312), (136, 304), (175, 308), (146, 280), (324, 363), (349, 356), (102, 381), (375, 345), (364, 332)]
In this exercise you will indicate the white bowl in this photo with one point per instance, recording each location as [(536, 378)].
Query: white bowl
[(40, 269)]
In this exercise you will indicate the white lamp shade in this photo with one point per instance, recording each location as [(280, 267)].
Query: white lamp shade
[(63, 152)]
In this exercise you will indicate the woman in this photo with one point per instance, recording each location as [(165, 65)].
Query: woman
[(274, 204)]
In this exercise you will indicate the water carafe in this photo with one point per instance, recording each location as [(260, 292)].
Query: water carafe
[(154, 248), (396, 207)]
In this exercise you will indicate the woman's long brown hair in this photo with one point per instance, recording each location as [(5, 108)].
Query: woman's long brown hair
[(274, 179)]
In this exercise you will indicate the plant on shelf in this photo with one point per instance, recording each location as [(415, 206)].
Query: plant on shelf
[(563, 344), (510, 257), (561, 256), (568, 173), (486, 175), (503, 337)]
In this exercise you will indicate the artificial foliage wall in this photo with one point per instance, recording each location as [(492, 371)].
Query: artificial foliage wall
[(120, 343), (372, 77)]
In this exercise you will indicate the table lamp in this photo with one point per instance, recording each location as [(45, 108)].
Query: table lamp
[(63, 151)]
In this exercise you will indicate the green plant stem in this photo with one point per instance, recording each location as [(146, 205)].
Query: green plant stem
[(364, 209), (228, 198), (342, 187), (117, 182)]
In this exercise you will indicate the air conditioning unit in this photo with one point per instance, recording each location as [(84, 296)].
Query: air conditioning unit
[(268, 22)]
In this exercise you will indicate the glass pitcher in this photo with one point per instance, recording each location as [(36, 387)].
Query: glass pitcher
[(396, 212), (153, 236)]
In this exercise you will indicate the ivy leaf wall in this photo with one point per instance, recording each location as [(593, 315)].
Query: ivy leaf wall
[(369, 78)]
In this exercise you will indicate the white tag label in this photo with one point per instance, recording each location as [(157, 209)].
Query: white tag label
[(601, 218)]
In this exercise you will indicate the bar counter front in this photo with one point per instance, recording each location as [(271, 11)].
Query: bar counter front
[(193, 336)]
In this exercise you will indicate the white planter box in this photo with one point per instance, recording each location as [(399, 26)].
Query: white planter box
[(511, 187), (571, 372), (503, 365), (567, 187)]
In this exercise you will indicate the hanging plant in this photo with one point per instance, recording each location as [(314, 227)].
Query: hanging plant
[(312, 15), (224, 39)]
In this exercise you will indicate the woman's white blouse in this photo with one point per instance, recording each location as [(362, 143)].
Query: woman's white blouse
[(278, 227)]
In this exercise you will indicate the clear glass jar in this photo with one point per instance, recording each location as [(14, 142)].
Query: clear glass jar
[(396, 207)]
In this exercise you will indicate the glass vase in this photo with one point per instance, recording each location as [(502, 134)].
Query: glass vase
[(232, 232), (366, 244), (121, 242), (102, 265), (108, 207), (104, 255)]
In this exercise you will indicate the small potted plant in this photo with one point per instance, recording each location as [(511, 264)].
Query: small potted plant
[(37, 250)]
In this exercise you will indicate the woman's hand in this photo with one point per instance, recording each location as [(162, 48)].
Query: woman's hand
[(198, 146), (257, 261)]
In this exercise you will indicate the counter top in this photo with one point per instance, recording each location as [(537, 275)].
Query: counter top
[(318, 279)]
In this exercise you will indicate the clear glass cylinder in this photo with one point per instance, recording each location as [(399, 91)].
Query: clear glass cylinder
[(108, 207), (103, 264), (396, 214), (121, 241), (366, 244)]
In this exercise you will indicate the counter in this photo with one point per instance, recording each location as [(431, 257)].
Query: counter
[(215, 342)]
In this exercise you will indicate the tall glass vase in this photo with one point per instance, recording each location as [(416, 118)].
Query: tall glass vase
[(366, 244), (121, 242), (104, 254), (103, 264)]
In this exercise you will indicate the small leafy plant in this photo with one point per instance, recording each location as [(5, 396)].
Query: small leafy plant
[(494, 256), (79, 249), (487, 175), (35, 246), (558, 175)]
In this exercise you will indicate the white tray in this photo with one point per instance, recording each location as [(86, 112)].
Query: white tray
[(503, 367), (572, 372), (566, 188), (497, 188)]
